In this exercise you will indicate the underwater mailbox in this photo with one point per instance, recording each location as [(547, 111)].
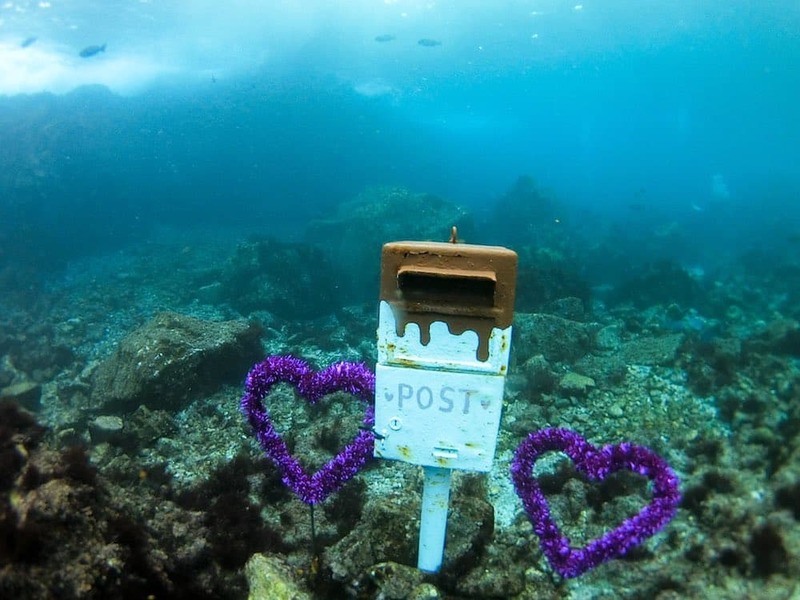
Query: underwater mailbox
[(444, 337), (443, 345)]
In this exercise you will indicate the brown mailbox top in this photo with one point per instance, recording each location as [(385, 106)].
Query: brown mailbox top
[(467, 286)]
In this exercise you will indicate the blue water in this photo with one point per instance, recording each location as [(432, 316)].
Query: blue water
[(244, 159), (636, 116)]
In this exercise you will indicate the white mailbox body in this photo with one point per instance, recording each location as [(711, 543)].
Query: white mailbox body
[(437, 404), (444, 338)]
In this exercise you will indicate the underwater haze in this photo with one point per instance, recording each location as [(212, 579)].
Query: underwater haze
[(202, 112), (186, 187)]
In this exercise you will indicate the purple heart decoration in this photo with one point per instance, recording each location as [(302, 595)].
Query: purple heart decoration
[(353, 378), (596, 464)]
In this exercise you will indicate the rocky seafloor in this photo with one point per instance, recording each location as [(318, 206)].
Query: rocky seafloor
[(127, 471)]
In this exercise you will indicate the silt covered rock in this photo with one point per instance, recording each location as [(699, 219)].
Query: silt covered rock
[(353, 237), (290, 280), (171, 358), (555, 338), (389, 533)]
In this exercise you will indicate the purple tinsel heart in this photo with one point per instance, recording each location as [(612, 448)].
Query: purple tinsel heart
[(353, 378), (596, 464)]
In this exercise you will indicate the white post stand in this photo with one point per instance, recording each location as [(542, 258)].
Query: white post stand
[(433, 518)]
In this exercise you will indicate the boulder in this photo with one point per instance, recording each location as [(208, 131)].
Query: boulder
[(555, 338), (354, 235), (574, 384), (661, 350), (27, 393), (389, 532), (269, 578), (171, 359)]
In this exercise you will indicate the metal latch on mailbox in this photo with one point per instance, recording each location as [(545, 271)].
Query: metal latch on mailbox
[(444, 338)]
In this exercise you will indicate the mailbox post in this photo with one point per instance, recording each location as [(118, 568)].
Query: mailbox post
[(444, 337)]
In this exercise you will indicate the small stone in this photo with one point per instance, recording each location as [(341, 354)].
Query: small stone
[(425, 591), (539, 374), (395, 581), (71, 437), (27, 394), (211, 293), (575, 384), (652, 350), (615, 410), (581, 417), (608, 338), (270, 579), (106, 428)]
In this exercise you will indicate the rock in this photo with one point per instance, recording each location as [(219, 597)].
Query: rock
[(170, 359), (724, 354), (8, 371), (395, 581), (566, 308), (71, 437), (663, 282), (292, 280), (107, 428), (547, 282), (353, 237), (608, 338), (606, 370), (783, 337), (425, 591), (388, 531), (661, 350), (27, 394), (556, 338), (540, 377), (270, 579), (615, 411), (149, 426), (574, 384), (470, 525)]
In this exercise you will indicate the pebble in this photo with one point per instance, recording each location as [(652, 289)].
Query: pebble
[(106, 428)]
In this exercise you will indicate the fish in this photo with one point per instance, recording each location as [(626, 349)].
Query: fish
[(386, 37), (429, 42), (91, 51), (28, 41)]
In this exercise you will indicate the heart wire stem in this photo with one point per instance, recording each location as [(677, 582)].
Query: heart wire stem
[(313, 535)]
